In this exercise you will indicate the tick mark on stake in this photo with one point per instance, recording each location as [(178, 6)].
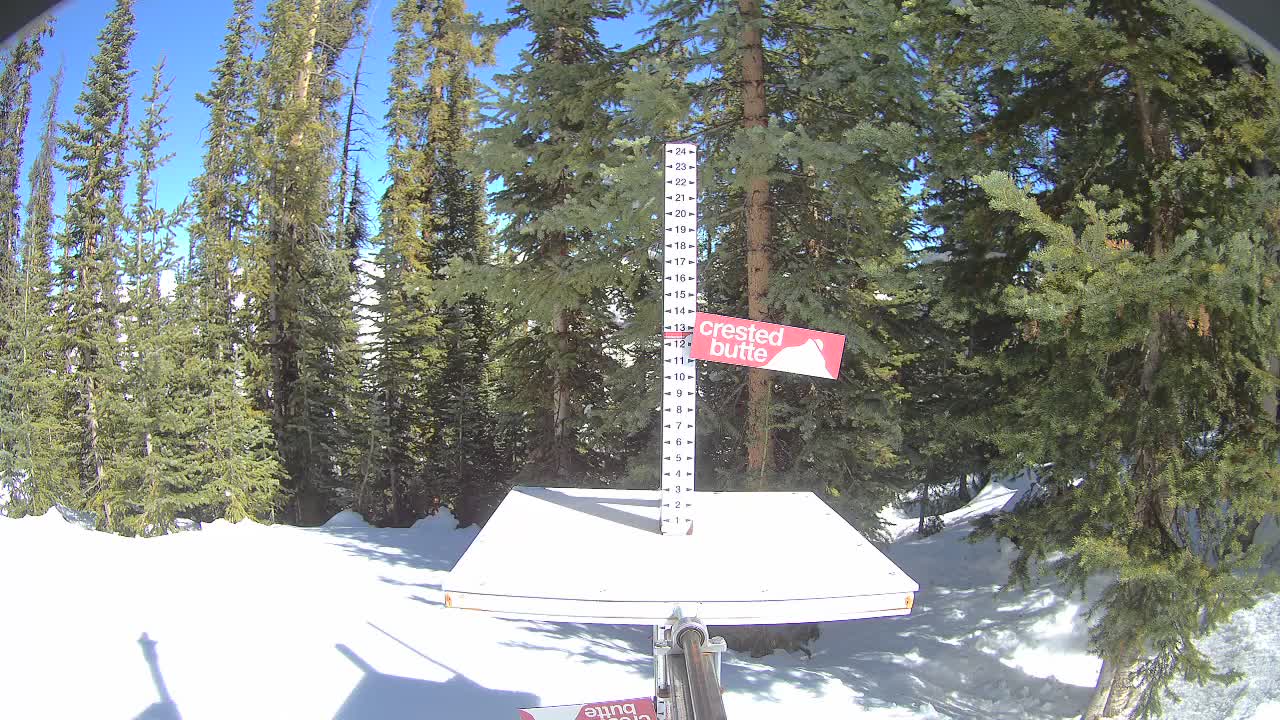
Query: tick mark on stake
[(680, 262)]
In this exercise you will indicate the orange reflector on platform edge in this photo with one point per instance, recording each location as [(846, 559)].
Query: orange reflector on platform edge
[(911, 600), (448, 600)]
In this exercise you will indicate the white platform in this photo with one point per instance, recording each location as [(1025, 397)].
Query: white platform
[(584, 555)]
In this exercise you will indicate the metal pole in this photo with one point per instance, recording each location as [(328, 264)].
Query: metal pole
[(704, 686)]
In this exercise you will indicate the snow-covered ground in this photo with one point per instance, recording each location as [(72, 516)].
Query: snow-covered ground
[(347, 621)]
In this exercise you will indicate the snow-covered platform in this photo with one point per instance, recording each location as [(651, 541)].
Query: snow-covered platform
[(596, 556)]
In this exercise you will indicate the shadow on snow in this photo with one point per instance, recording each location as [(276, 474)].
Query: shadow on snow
[(397, 546), (949, 653), (165, 708), (379, 695)]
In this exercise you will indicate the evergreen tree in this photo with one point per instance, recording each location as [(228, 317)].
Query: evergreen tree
[(1139, 326), (806, 220), (432, 439), (36, 469), (966, 254), (758, 227), (20, 62), (165, 465), (355, 221), (841, 142), (230, 465), (350, 235), (93, 146), (233, 469), (224, 192), (563, 272), (463, 454), (804, 116), (300, 281), (142, 460), (346, 182), (393, 488)]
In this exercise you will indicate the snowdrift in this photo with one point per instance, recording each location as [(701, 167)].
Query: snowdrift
[(347, 621)]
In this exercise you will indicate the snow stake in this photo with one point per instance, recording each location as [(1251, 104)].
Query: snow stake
[(679, 300), (588, 555)]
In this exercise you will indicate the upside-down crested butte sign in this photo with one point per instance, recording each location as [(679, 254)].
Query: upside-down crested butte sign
[(637, 709)]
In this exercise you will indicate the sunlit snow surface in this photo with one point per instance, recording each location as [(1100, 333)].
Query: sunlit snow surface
[(346, 621)]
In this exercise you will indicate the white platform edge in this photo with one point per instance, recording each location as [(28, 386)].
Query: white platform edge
[(762, 612)]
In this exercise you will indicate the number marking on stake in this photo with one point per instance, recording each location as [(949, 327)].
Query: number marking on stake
[(679, 301)]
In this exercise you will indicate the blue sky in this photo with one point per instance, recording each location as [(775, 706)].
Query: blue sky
[(188, 36)]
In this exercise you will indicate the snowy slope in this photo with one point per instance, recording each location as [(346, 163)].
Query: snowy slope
[(995, 496), (346, 621)]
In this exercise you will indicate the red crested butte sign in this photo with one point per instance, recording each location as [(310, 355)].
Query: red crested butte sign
[(637, 709), (764, 345)]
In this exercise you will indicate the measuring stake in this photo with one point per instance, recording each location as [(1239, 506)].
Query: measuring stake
[(679, 300)]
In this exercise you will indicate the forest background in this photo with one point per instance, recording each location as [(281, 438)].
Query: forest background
[(394, 278)]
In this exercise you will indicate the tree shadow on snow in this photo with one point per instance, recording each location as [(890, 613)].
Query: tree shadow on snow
[(935, 656), (626, 646), (165, 709), (917, 666), (433, 587), (956, 650), (389, 697), (398, 546), (632, 647)]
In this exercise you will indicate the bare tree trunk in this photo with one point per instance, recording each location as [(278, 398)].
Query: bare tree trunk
[(302, 86), (344, 173), (1123, 695), (1115, 696), (362, 495), (92, 468), (924, 507), (1101, 692), (561, 396), (1270, 403), (396, 499), (754, 115)]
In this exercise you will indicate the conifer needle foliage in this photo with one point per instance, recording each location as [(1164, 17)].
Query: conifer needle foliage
[(1047, 229)]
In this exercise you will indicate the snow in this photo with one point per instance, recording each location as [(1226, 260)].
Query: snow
[(347, 621), (1247, 645), (347, 519), (999, 494)]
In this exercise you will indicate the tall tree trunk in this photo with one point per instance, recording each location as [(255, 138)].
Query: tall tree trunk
[(1270, 401), (562, 396), (754, 115), (285, 348), (397, 498), (1116, 694), (1101, 693), (924, 507), (1162, 226), (302, 86), (344, 173), (92, 474), (92, 468)]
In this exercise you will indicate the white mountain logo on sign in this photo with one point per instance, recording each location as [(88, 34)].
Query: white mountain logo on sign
[(806, 359)]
